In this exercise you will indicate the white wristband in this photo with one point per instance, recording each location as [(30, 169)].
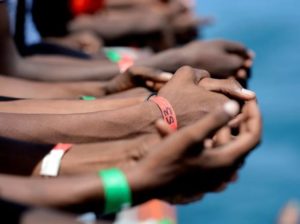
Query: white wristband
[(51, 162)]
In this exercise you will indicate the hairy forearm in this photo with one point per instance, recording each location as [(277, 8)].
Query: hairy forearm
[(81, 128)]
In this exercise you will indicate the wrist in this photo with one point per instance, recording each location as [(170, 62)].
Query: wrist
[(141, 183), (168, 61), (104, 88), (151, 112)]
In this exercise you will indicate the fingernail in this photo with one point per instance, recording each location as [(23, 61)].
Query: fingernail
[(232, 108), (248, 63), (248, 92), (149, 84), (252, 54), (242, 74), (160, 122), (166, 75)]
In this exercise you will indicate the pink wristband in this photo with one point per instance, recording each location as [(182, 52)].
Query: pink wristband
[(166, 109), (125, 63)]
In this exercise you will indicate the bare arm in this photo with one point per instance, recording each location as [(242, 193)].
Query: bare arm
[(21, 214), (160, 174), (48, 70), (77, 193), (128, 80), (114, 24), (51, 68), (46, 216), (66, 106), (81, 158), (168, 60), (21, 88), (127, 122), (80, 128)]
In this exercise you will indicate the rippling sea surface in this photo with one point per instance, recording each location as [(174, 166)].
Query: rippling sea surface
[(271, 176)]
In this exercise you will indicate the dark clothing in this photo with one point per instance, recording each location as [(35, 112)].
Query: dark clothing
[(51, 17), (7, 98)]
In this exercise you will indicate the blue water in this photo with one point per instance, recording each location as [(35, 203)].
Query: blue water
[(271, 176)]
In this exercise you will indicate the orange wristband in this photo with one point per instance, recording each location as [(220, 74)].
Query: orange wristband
[(166, 109)]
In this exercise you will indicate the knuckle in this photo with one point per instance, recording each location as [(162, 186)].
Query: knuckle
[(200, 75), (204, 73), (185, 69), (232, 84), (223, 99), (191, 137)]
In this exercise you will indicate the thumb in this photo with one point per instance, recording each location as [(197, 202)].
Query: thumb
[(215, 120), (163, 128), (188, 74), (229, 87), (199, 131)]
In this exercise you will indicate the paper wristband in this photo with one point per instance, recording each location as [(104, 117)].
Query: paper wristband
[(124, 61), (51, 162), (166, 109), (116, 190), (125, 64), (88, 98)]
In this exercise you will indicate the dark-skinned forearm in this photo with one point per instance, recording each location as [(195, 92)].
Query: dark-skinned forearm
[(168, 60), (71, 71), (81, 128), (86, 158), (21, 88), (23, 158), (80, 194), (69, 193), (14, 213), (66, 106), (11, 63), (104, 25)]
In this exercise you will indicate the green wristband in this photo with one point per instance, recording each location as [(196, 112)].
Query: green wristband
[(116, 190), (88, 98), (166, 221), (113, 56)]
